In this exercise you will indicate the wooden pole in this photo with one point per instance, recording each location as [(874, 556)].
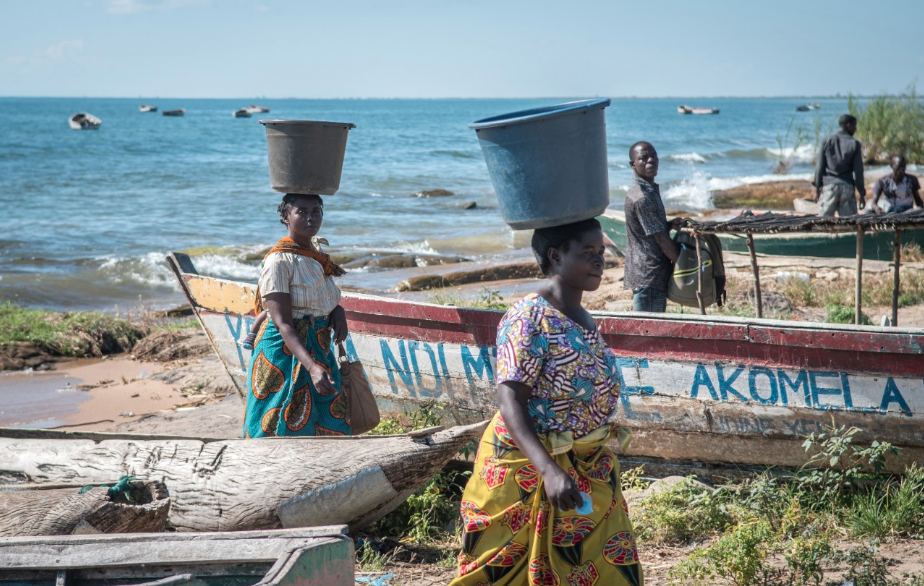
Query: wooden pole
[(757, 296), (699, 275), (896, 280), (857, 304)]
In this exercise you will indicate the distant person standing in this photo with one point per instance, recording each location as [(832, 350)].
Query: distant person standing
[(839, 171), (899, 191), (650, 252)]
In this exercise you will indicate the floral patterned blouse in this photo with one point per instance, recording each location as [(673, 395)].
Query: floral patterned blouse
[(572, 373)]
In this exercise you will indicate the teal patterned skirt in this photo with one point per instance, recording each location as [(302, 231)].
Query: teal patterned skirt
[(281, 399)]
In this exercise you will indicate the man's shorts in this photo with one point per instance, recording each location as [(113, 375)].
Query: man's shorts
[(837, 197)]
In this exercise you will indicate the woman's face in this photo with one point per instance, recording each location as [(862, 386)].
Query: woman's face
[(581, 265), (304, 218)]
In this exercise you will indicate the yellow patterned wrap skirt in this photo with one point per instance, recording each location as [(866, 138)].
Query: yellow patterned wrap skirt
[(512, 535)]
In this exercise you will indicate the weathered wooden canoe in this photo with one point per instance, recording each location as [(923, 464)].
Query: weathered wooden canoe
[(235, 485), (876, 245), (319, 556), (695, 388), (51, 510)]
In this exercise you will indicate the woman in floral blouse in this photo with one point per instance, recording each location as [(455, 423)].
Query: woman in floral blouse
[(544, 504)]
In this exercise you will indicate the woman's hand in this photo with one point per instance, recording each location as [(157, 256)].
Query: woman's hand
[(339, 323), (560, 489), (512, 398), (323, 383)]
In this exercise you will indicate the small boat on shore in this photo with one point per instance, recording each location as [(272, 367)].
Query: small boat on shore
[(178, 112), (146, 108), (321, 556), (84, 121), (257, 109), (876, 245), (696, 389), (245, 484), (681, 109), (242, 113)]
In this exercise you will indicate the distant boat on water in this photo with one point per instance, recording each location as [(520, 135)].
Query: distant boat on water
[(146, 108), (807, 107), (681, 109), (84, 121), (257, 109), (178, 112), (242, 113)]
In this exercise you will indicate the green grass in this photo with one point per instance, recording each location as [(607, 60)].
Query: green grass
[(83, 333), (890, 125), (186, 324), (841, 314), (486, 299)]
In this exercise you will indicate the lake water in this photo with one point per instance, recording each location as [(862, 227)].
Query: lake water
[(87, 217)]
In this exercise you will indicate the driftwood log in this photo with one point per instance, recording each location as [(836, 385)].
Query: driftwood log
[(233, 485), (65, 511)]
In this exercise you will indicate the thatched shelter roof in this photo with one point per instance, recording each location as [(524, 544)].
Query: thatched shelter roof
[(770, 222)]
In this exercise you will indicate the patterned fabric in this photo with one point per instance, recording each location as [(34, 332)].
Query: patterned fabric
[(573, 374), (302, 276), (511, 535), (281, 399), (897, 197), (646, 263)]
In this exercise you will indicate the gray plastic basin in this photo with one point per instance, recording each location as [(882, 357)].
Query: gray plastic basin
[(306, 156)]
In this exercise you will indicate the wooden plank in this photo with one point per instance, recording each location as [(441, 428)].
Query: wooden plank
[(858, 295), (43, 555), (699, 275), (238, 484), (896, 279), (754, 269)]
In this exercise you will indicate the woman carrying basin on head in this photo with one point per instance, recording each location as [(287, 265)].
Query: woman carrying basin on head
[(293, 383), (544, 503)]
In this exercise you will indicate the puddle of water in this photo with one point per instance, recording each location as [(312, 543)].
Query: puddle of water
[(38, 399)]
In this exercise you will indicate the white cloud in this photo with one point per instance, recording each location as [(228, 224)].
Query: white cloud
[(135, 6), (62, 50), (71, 50)]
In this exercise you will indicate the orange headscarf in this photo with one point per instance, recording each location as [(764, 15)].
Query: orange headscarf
[(286, 244)]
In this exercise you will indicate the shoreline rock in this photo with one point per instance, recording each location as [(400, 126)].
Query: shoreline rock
[(777, 195), (433, 193)]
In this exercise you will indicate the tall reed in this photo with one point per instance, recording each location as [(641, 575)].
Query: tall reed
[(890, 125)]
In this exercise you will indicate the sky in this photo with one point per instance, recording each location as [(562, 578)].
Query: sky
[(458, 48)]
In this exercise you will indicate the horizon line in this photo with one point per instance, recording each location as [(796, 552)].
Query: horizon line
[(345, 98)]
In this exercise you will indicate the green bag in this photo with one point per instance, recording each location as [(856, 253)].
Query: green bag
[(684, 283)]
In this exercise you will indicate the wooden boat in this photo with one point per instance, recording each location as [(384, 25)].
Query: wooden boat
[(681, 109), (876, 245), (178, 112), (257, 109), (318, 556), (237, 485), (55, 510), (84, 121), (242, 113), (146, 108), (695, 388)]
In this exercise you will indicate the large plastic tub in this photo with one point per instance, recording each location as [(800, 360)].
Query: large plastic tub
[(548, 165), (306, 156)]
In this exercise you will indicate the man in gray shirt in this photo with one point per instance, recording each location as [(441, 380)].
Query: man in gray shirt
[(650, 252), (839, 171)]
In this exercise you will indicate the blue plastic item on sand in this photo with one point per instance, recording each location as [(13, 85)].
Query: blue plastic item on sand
[(548, 165)]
